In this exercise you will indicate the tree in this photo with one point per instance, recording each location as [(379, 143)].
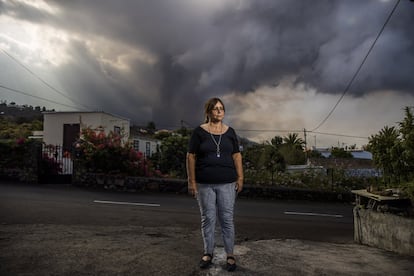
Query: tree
[(151, 127), (294, 141), (274, 161), (292, 155), (292, 149), (382, 145), (277, 141), (340, 153), (262, 161), (12, 130), (314, 154), (407, 143), (173, 155), (253, 157), (161, 135), (183, 131), (393, 150)]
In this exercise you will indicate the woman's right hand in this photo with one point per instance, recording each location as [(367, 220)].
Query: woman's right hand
[(193, 189), (192, 186)]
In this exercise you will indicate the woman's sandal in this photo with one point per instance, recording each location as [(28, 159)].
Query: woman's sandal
[(206, 263), (231, 266)]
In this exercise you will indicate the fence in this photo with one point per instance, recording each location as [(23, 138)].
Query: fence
[(56, 165)]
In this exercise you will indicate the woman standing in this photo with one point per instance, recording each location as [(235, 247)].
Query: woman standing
[(215, 176)]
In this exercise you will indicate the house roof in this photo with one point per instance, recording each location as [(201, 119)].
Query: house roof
[(357, 154), (143, 137), (361, 154), (342, 163), (79, 112)]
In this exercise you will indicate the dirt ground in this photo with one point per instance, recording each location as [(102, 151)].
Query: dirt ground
[(133, 250)]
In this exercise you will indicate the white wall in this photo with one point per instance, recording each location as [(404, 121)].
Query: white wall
[(54, 121), (143, 145)]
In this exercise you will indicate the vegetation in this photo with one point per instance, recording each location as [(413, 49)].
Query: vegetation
[(10, 130), (340, 153), (393, 152), (265, 164), (100, 153), (18, 122), (170, 160), (19, 159)]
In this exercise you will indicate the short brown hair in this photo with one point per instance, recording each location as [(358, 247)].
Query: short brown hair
[(209, 106)]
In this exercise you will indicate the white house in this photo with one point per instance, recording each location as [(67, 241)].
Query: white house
[(146, 145), (63, 128)]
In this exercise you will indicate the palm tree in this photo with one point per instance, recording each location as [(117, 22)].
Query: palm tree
[(293, 140), (382, 146), (276, 141), (292, 149)]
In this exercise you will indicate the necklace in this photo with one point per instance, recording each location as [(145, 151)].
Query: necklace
[(214, 140)]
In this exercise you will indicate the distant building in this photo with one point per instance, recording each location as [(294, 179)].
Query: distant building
[(357, 154), (360, 165), (361, 154), (37, 134), (148, 146)]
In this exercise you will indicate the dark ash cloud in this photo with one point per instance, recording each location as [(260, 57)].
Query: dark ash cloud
[(202, 49)]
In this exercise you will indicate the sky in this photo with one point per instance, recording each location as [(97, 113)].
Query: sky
[(280, 66)]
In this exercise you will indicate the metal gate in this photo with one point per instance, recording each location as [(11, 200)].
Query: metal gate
[(55, 165)]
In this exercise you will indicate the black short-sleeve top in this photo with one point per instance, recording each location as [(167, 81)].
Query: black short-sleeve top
[(211, 167)]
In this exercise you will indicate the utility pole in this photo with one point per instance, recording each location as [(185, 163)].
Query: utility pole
[(304, 135), (306, 147)]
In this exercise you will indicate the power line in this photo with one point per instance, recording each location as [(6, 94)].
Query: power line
[(359, 68), (276, 130), (337, 134), (40, 79), (288, 131), (299, 131), (269, 130), (37, 97)]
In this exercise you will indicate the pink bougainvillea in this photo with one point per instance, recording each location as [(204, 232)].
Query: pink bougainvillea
[(106, 154)]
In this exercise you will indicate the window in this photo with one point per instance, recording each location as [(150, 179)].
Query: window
[(117, 130), (148, 149), (136, 145)]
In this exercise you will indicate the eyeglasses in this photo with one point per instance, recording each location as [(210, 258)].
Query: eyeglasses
[(217, 109)]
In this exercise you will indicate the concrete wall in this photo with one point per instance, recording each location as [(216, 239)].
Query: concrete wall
[(54, 121), (382, 230)]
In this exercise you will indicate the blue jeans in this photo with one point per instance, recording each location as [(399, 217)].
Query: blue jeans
[(217, 200)]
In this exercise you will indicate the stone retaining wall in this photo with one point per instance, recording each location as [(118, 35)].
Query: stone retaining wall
[(383, 230), (180, 186)]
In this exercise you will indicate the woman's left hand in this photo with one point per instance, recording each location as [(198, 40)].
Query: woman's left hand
[(239, 185)]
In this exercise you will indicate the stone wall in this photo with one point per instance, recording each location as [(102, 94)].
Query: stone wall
[(129, 183), (180, 186), (387, 231)]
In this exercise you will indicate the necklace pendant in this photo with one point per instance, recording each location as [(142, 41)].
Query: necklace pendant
[(218, 154)]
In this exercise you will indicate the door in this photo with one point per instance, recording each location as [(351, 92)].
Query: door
[(71, 133)]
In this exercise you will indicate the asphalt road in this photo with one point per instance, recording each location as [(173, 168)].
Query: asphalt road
[(255, 219), (65, 230)]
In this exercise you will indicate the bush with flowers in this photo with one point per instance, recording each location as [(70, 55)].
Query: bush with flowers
[(97, 152)]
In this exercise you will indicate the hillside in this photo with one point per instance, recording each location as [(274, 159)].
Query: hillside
[(21, 113)]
